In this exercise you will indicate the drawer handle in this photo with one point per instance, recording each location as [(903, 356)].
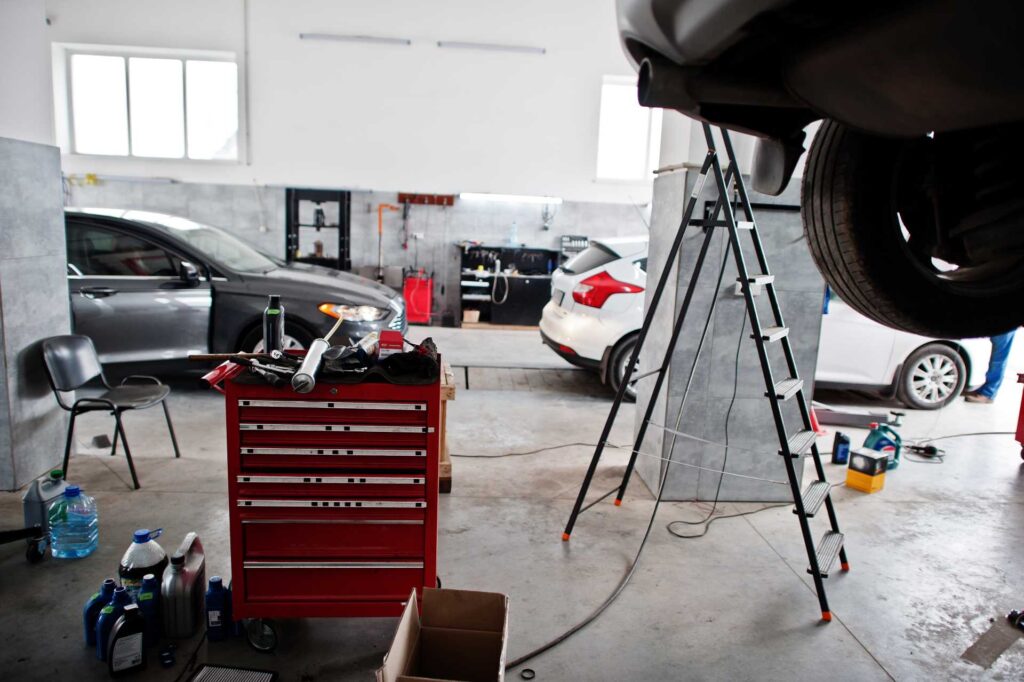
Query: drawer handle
[(338, 428), (325, 405), (339, 522), (337, 504), (335, 480), (336, 564), (332, 451)]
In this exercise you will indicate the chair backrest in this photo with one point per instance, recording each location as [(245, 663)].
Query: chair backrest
[(71, 361)]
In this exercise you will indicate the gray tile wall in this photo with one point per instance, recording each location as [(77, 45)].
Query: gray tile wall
[(243, 209), (33, 305), (751, 432)]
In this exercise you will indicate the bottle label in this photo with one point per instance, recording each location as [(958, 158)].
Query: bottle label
[(145, 596), (94, 596), (107, 609), (127, 652), (213, 618)]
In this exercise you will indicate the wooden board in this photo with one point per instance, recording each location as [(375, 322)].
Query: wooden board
[(444, 460)]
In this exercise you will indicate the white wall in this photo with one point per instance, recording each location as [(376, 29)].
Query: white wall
[(26, 103), (415, 118)]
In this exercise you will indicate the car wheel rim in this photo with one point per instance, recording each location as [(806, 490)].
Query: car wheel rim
[(287, 343), (934, 378)]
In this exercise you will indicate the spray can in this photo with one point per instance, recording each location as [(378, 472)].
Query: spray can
[(149, 607), (883, 438), (91, 612), (841, 448), (273, 324)]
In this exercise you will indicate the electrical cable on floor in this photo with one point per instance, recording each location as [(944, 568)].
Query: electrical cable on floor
[(923, 441), (654, 512), (725, 458), (528, 452), (708, 521)]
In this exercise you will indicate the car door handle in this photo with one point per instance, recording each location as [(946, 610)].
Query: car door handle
[(97, 292)]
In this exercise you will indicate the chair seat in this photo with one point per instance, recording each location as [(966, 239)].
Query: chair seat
[(136, 397)]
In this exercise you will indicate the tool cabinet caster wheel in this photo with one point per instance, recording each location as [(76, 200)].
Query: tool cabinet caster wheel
[(1022, 453), (261, 634), (36, 551)]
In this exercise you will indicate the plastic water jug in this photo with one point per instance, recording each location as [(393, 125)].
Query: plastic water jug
[(91, 612), (40, 495), (108, 618), (181, 591), (145, 555), (218, 610), (74, 525), (149, 607), (884, 438)]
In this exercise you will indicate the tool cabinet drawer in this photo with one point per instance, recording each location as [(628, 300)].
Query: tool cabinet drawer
[(333, 435), (333, 458), (331, 581), (332, 539), (331, 509), (332, 412), (317, 485)]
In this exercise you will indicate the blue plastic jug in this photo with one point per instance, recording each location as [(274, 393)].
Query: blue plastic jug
[(149, 606), (884, 438), (218, 610), (74, 525), (108, 616), (91, 612)]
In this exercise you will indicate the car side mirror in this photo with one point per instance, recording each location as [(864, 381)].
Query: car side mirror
[(189, 274)]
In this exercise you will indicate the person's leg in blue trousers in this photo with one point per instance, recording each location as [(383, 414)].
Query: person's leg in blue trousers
[(996, 364)]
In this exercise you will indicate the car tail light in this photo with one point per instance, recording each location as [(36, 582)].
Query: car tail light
[(595, 290)]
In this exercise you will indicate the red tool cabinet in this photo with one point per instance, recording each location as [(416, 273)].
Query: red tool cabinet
[(333, 497)]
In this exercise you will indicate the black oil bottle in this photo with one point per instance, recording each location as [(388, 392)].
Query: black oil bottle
[(273, 324), (125, 651)]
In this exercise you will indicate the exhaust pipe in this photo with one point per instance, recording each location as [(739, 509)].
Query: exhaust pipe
[(664, 84)]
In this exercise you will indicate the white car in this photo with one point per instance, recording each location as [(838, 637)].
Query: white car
[(597, 308)]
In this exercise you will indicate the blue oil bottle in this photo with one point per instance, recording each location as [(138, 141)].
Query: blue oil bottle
[(108, 617), (884, 438), (149, 606), (218, 610), (91, 612)]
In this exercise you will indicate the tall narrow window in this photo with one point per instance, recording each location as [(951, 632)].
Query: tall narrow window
[(629, 135), (212, 108), (99, 102), (156, 107)]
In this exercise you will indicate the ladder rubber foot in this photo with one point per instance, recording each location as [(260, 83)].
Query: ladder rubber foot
[(826, 616), (618, 502), (845, 566), (565, 537)]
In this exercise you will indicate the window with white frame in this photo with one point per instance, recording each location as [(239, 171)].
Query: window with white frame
[(154, 106), (629, 135)]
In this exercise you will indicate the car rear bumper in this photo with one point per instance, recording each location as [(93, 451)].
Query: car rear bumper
[(586, 335), (568, 355)]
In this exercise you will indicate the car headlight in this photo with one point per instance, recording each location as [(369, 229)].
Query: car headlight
[(353, 313)]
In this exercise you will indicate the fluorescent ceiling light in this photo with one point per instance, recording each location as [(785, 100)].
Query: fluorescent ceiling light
[(491, 47), (342, 38), (511, 198)]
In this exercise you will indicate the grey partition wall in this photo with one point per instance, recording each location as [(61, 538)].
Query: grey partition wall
[(751, 431), (33, 305)]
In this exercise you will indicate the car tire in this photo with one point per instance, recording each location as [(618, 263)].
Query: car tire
[(296, 338), (932, 377), (853, 229), (617, 362)]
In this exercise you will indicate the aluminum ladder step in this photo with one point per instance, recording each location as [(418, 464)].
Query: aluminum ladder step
[(814, 497), (799, 444), (772, 334), (758, 279), (828, 550), (787, 388)]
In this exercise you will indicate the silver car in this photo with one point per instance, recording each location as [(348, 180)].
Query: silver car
[(152, 288)]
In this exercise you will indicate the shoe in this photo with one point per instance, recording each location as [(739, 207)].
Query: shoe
[(974, 397)]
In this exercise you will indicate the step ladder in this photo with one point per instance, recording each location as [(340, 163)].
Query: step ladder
[(788, 387)]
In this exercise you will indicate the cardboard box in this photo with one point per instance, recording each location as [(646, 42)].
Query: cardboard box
[(459, 635)]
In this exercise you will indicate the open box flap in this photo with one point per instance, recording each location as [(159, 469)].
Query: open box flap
[(464, 610), (407, 636)]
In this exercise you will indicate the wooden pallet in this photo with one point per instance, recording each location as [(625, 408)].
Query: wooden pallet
[(445, 461)]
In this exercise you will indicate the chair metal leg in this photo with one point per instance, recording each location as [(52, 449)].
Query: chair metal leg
[(170, 427), (113, 446), (127, 451), (67, 445)]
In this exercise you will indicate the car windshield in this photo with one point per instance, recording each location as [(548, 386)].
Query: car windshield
[(594, 256), (211, 241)]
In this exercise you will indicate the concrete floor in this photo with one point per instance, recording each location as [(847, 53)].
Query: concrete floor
[(935, 555)]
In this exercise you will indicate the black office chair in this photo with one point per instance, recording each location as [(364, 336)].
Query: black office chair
[(71, 362)]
